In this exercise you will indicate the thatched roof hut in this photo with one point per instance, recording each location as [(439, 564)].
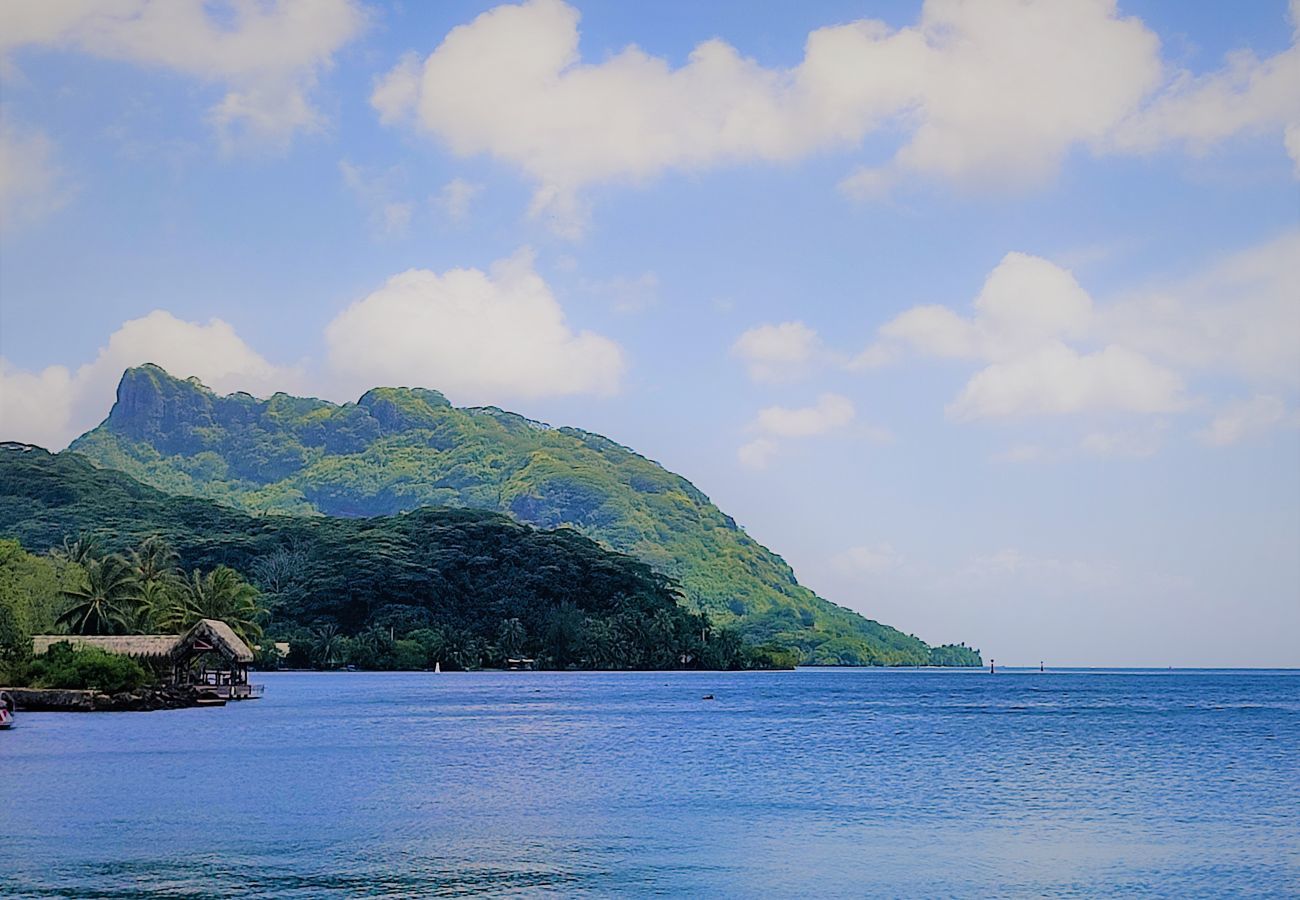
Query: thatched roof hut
[(214, 635), (140, 646), (210, 654), (207, 634)]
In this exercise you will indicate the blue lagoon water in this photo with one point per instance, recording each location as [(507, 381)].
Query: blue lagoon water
[(809, 783)]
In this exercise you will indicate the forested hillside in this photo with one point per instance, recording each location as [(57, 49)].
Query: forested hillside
[(398, 449), (478, 578)]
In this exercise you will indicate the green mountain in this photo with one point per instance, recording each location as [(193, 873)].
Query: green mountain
[(398, 449), (463, 574)]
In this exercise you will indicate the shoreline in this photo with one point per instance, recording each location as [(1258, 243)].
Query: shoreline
[(31, 700)]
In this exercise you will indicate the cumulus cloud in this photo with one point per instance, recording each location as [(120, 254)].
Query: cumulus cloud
[(1137, 444), (993, 90), (480, 336), (54, 405), (1025, 302), (267, 56), (627, 295), (831, 411), (483, 337), (992, 93), (1248, 418), (455, 198), (775, 424), (1047, 348), (1056, 379), (1248, 95), (780, 352), (32, 183), (1026, 311), (378, 192), (758, 453), (868, 560), (1238, 317)]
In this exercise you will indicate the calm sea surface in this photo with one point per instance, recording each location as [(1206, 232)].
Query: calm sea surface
[(809, 783)]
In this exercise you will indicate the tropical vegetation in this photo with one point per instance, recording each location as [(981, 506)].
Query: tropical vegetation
[(399, 449), (82, 668), (455, 587)]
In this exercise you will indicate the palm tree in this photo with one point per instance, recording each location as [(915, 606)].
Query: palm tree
[(325, 646), (154, 560), (105, 601), (80, 550), (155, 565), (511, 638), (221, 594), (461, 649), (164, 607)]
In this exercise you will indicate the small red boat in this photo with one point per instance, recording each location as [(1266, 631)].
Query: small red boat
[(6, 710)]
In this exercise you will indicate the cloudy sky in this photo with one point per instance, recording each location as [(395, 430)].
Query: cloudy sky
[(985, 315)]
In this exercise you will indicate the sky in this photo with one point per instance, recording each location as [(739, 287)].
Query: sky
[(984, 315)]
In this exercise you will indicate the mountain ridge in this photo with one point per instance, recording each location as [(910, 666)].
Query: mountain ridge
[(397, 449)]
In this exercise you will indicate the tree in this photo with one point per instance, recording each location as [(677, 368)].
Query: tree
[(106, 600), (510, 638), (221, 594), (564, 626), (462, 650), (156, 568), (327, 646), (80, 550), (154, 561)]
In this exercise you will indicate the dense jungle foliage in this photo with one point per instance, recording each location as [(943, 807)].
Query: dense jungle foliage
[(398, 449), (463, 588)]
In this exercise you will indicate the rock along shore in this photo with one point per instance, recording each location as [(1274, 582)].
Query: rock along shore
[(141, 700)]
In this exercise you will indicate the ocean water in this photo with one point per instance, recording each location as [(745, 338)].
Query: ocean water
[(836, 783)]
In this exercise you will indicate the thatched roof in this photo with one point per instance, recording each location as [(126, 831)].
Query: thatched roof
[(217, 635), (143, 646), (207, 634)]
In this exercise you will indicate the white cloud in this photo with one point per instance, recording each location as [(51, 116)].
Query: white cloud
[(480, 336), (378, 193), (1022, 317), (1248, 95), (1025, 302), (868, 560), (627, 295), (1238, 317), (874, 356), (758, 453), (778, 352), (831, 412), (1047, 348), (987, 94), (32, 183), (1056, 379), (1137, 444), (1248, 418), (54, 405), (454, 200), (998, 90), (484, 337), (36, 407), (267, 56)]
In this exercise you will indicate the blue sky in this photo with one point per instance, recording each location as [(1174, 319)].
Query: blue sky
[(983, 315)]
